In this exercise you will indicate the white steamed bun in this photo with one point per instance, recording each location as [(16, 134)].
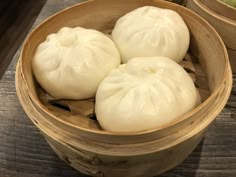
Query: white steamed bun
[(144, 94), (151, 31), (71, 64)]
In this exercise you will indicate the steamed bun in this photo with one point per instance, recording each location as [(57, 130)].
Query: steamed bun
[(70, 64), (144, 94), (151, 31)]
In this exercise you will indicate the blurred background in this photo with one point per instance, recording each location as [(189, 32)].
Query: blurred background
[(16, 19)]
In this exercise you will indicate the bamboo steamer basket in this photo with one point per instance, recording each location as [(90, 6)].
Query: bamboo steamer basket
[(221, 8), (223, 18), (101, 165), (79, 140)]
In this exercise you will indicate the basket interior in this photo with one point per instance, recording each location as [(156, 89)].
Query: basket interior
[(205, 61), (84, 110)]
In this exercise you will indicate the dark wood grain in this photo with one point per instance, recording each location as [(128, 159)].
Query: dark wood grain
[(25, 153), (16, 19)]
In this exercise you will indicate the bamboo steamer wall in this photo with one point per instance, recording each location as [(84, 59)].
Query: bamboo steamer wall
[(79, 140), (223, 18), (107, 163)]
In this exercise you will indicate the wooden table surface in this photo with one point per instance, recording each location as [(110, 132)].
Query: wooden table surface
[(25, 153)]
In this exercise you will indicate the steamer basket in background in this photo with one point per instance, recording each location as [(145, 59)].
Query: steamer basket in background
[(223, 18), (77, 138)]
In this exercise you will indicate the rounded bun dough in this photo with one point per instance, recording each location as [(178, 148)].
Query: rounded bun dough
[(71, 64), (151, 31), (144, 94)]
